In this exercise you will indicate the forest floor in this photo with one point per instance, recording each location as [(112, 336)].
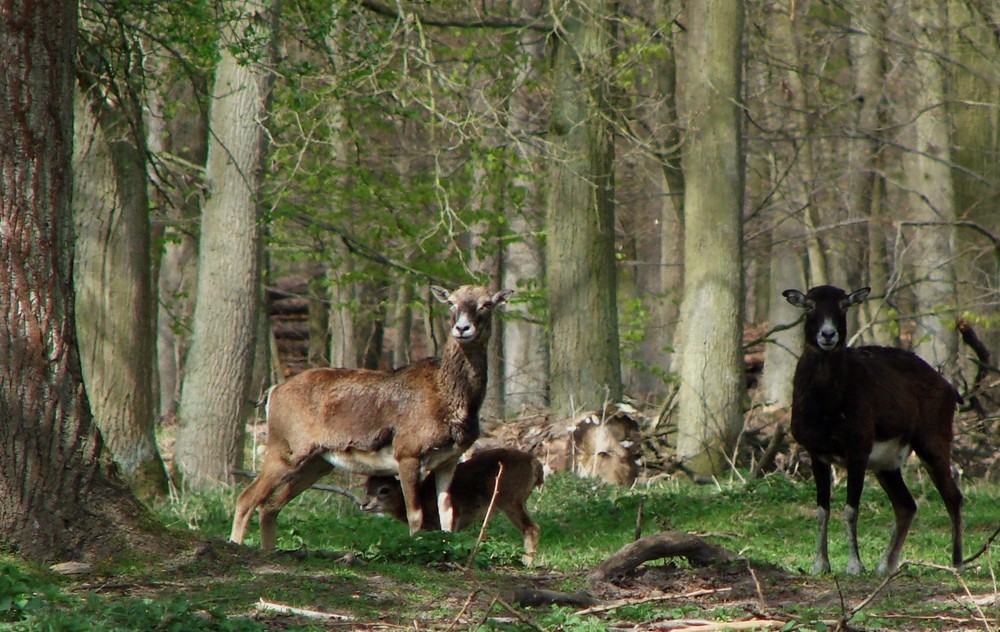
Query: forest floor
[(731, 556)]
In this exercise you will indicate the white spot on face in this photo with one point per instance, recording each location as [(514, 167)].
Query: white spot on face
[(827, 337), (464, 328), (888, 455)]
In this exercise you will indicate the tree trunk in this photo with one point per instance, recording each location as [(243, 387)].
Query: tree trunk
[(343, 297), (580, 242), (864, 184), (214, 401), (114, 302), (711, 359), (801, 181), (177, 195), (667, 309), (782, 351), (930, 208), (525, 353), (59, 495)]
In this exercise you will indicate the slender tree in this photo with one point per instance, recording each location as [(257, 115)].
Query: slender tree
[(217, 383), (930, 193), (711, 360), (584, 363), (60, 496)]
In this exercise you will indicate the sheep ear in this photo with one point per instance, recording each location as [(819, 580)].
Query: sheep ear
[(796, 298), (440, 293), (858, 296), (501, 297)]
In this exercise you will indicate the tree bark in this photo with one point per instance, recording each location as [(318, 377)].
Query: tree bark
[(214, 399), (60, 497), (525, 354), (864, 184), (178, 141), (711, 388), (584, 364), (927, 173), (782, 351), (114, 302)]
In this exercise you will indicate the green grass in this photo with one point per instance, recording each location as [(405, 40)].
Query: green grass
[(403, 579)]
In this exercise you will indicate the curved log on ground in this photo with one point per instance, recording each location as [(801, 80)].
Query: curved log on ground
[(697, 551)]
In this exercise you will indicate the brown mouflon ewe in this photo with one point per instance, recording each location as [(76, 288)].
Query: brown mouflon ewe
[(471, 492), (866, 408), (412, 422)]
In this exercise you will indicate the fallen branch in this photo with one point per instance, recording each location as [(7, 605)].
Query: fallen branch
[(697, 551), (716, 626), (277, 608), (635, 602), (535, 597)]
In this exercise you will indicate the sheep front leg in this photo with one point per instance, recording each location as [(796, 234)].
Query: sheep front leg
[(822, 473), (855, 485), (409, 480), (442, 484)]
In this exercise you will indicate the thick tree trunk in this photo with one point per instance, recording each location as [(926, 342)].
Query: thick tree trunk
[(931, 202), (114, 300), (59, 495), (580, 242), (214, 399), (711, 359)]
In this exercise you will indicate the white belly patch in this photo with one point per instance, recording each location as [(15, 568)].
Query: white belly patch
[(888, 455), (380, 463)]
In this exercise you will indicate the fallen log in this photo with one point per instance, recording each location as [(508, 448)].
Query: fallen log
[(696, 550)]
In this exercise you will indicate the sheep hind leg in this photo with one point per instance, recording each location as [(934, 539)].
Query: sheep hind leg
[(944, 481), (291, 486), (247, 502), (518, 516), (904, 508)]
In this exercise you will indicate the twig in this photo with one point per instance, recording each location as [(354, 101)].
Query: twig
[(878, 589), (985, 547), (634, 602), (638, 517), (749, 624), (520, 617), (465, 607), (486, 519), (968, 593), (268, 606), (760, 589)]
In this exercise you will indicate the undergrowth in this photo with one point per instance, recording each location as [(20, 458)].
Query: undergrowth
[(769, 521)]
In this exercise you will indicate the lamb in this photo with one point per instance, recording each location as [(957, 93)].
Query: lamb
[(867, 408), (471, 492), (410, 422)]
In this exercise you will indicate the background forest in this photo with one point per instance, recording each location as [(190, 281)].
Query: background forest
[(199, 199), (229, 154)]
